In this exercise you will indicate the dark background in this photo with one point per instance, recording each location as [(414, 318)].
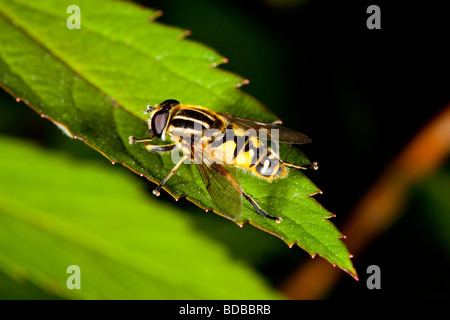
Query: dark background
[(360, 94)]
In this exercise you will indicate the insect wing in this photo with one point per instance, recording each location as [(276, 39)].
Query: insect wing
[(220, 184), (285, 135)]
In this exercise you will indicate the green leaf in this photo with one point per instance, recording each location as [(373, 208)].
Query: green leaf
[(431, 199), (128, 245), (93, 83)]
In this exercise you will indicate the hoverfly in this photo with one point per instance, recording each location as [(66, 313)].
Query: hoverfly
[(218, 143)]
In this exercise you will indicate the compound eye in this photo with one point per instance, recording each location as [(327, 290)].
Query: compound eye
[(169, 103), (159, 122)]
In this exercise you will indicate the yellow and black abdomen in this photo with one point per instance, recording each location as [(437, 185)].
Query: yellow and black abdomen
[(244, 149)]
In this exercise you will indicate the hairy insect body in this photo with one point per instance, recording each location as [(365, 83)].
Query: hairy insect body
[(222, 142), (245, 150), (217, 143)]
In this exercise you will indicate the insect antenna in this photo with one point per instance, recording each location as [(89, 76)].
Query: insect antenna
[(144, 111), (139, 112)]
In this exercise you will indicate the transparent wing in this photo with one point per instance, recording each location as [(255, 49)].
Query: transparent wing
[(222, 190), (285, 135), (222, 185)]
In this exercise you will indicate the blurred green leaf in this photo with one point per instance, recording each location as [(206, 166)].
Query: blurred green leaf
[(433, 202), (94, 81), (128, 245)]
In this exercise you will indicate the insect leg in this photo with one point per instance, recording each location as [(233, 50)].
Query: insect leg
[(154, 148), (158, 188), (258, 208), (218, 170), (165, 148), (132, 140), (312, 165)]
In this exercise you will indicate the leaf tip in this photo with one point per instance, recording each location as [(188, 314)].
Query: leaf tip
[(352, 272), (316, 192), (186, 33), (242, 83), (79, 138), (291, 244), (217, 63), (332, 215), (155, 16)]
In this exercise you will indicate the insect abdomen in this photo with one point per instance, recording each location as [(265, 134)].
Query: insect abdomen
[(261, 160), (249, 153)]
